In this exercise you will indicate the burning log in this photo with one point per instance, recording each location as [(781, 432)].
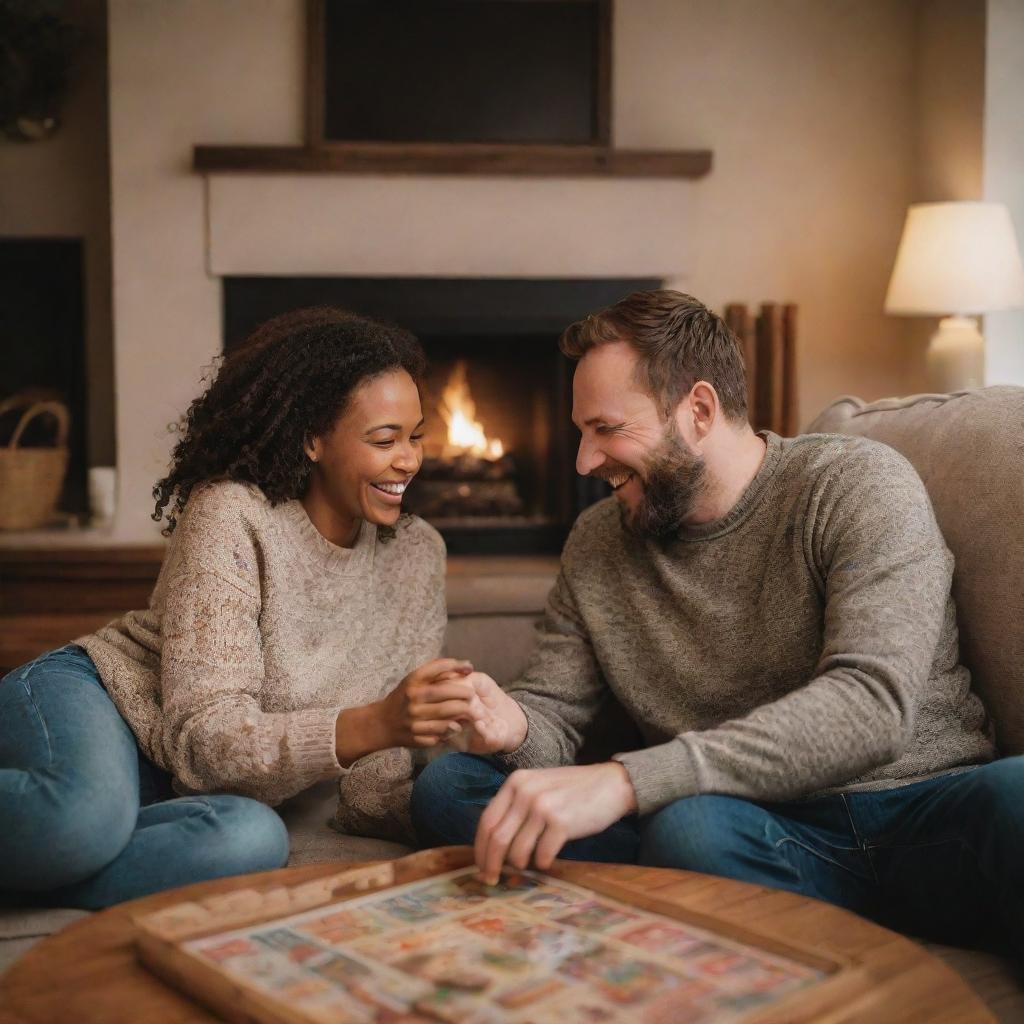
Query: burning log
[(466, 485), (446, 499), (467, 466)]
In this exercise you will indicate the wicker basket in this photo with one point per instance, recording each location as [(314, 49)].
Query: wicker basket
[(31, 478)]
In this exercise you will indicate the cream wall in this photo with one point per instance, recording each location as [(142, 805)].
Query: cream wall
[(1004, 169), (59, 188), (814, 166), (180, 73), (950, 110), (808, 107), (949, 129)]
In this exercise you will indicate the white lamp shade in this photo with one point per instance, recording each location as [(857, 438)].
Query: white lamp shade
[(956, 258)]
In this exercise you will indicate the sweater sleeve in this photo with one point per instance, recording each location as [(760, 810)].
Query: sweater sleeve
[(871, 540), (562, 689), (216, 736)]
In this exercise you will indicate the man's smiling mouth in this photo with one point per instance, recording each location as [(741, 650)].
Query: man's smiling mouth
[(619, 480)]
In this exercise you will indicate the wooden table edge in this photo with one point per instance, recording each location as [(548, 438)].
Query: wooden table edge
[(960, 1001)]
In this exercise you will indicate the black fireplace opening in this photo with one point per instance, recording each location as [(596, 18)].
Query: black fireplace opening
[(42, 357), (500, 448)]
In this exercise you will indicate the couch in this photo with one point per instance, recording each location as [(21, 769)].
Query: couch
[(968, 449)]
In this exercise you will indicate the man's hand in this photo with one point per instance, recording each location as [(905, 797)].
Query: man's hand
[(536, 812), (497, 724), (422, 710)]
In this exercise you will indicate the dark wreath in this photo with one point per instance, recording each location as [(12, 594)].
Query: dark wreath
[(36, 50)]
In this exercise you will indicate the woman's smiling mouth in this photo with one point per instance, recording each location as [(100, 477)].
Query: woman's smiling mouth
[(390, 491)]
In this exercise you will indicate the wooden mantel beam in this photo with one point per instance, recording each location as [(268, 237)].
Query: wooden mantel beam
[(437, 158)]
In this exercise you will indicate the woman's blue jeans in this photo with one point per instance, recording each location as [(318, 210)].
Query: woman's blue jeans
[(942, 859), (86, 820)]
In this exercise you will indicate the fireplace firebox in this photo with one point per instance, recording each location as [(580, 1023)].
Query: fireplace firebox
[(499, 469)]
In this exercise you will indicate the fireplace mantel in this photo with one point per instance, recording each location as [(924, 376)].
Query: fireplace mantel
[(446, 158)]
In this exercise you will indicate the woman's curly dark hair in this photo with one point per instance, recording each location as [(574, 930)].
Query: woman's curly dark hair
[(289, 381)]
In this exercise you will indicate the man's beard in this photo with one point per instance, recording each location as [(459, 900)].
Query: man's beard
[(672, 482)]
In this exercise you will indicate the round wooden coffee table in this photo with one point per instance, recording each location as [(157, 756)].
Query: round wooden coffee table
[(88, 973)]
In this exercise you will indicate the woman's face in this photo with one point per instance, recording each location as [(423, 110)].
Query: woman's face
[(362, 465)]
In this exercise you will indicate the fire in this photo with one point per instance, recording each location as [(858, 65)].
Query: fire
[(458, 411)]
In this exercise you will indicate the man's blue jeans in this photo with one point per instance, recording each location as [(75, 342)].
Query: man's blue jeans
[(942, 859), (86, 820)]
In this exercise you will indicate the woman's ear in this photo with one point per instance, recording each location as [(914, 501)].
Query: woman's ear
[(313, 448)]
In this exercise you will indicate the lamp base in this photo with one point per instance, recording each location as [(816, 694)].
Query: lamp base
[(956, 356)]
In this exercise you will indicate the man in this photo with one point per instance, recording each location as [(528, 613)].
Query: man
[(775, 616)]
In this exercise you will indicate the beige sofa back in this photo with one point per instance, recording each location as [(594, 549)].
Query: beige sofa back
[(969, 450)]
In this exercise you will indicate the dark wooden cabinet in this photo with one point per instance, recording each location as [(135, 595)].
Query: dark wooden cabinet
[(49, 596)]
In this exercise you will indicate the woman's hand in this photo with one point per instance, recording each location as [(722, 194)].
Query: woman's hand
[(427, 704), (425, 708), (497, 722)]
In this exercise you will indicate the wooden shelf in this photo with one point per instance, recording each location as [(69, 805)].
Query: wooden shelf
[(436, 158), (88, 579), (50, 595)]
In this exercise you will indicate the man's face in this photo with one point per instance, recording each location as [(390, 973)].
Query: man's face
[(656, 476)]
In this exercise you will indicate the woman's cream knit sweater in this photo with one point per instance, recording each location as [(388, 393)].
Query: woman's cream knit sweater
[(258, 634)]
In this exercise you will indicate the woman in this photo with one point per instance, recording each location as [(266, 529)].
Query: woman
[(279, 647)]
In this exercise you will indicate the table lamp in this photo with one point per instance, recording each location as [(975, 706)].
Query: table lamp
[(956, 258)]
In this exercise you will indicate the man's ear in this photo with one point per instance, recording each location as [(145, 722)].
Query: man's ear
[(697, 413)]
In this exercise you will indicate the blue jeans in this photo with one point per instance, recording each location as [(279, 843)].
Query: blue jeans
[(86, 820), (942, 859)]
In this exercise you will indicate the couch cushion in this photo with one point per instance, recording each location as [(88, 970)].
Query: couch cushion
[(493, 607), (313, 841), (499, 645), (968, 448)]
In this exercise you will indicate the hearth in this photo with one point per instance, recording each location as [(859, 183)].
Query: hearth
[(499, 470)]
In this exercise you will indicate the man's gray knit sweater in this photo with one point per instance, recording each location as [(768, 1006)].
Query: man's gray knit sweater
[(805, 642)]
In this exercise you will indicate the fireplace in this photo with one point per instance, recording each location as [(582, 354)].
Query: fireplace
[(499, 470)]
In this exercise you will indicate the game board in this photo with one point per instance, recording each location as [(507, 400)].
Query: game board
[(443, 947)]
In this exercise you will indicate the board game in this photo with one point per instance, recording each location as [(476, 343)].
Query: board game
[(356, 947)]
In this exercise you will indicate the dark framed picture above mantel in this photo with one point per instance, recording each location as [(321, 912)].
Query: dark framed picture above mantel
[(459, 72), (477, 87)]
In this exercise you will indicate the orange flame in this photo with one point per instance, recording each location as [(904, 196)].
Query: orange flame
[(458, 411)]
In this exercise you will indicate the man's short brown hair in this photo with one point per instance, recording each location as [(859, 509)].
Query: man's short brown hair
[(679, 340)]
